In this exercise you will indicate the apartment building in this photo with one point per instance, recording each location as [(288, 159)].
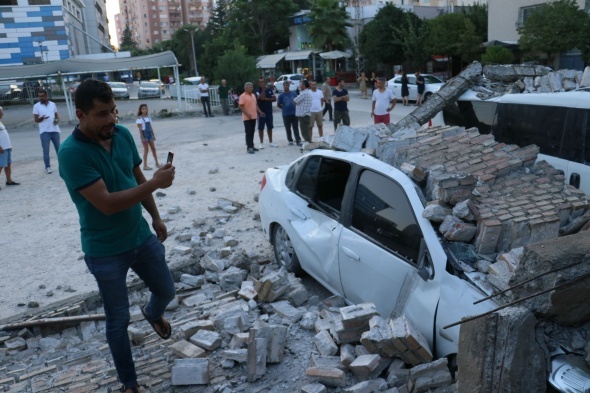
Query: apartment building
[(449, 4), (154, 21), (37, 31)]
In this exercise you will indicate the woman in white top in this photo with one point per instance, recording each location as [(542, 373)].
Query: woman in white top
[(146, 132)]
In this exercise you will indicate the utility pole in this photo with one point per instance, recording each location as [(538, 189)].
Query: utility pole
[(192, 33)]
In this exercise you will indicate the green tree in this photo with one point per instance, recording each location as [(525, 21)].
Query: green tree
[(237, 67), (555, 27), (478, 15), (327, 28), (262, 26), (412, 38), (497, 55), (453, 35), (377, 41), (219, 17), (127, 41)]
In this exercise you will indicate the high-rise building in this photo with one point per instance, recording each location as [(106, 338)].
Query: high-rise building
[(37, 31), (154, 21)]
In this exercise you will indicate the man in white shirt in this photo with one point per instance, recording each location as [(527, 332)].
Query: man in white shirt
[(6, 153), (383, 102), (204, 90), (45, 114), (317, 116)]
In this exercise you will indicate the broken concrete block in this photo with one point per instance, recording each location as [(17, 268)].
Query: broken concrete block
[(375, 385), (185, 349), (136, 336), (327, 376), (314, 388), (209, 262), (206, 339), (247, 290), (195, 300), (257, 348), (430, 375), (487, 239), (461, 232), (347, 354), (397, 373), (354, 322), (237, 355), (190, 372), (189, 329), (325, 344), (229, 241), (232, 278), (327, 361), (193, 281), (448, 223), (238, 340), (182, 250), (364, 365), (272, 286), (435, 212), (411, 345), (225, 252), (499, 353), (16, 344), (234, 325), (307, 322), (287, 311), (379, 339)]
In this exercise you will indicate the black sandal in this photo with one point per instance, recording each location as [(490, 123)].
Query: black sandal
[(164, 326)]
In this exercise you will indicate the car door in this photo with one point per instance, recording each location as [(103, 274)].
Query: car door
[(396, 86), (321, 184), (412, 88), (379, 249)]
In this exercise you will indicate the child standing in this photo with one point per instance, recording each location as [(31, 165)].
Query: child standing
[(146, 132)]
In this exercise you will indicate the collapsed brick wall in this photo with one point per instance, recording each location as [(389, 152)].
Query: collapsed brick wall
[(515, 201)]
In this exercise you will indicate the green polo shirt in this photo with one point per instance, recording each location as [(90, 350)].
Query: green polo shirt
[(83, 163), (223, 91)]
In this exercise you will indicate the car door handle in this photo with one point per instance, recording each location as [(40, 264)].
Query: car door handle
[(351, 254)]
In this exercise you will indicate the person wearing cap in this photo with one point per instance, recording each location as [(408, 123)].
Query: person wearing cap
[(288, 109), (5, 152)]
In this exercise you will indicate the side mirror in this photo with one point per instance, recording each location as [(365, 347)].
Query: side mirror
[(425, 267)]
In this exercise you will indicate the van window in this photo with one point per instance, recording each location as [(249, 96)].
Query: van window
[(525, 125), (572, 145), (587, 139), (480, 114)]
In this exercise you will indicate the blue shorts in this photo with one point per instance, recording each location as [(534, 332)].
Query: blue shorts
[(5, 158), (148, 136), (266, 120)]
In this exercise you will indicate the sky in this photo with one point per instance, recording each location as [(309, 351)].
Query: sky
[(112, 10)]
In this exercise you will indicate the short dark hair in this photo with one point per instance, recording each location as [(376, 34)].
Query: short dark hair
[(42, 91), (92, 89), (305, 83), (339, 80)]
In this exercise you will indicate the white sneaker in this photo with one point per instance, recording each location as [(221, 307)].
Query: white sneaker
[(261, 146), (272, 144), (48, 170)]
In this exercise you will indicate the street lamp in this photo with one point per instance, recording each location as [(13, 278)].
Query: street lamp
[(192, 32)]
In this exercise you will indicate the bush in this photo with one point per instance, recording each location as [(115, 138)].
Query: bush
[(237, 68), (497, 55)]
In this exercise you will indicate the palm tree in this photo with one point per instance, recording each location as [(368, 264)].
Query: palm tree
[(328, 25)]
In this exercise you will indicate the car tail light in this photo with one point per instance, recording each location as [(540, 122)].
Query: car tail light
[(263, 182)]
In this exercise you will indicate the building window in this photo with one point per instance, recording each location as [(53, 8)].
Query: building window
[(38, 2), (525, 12), (8, 2)]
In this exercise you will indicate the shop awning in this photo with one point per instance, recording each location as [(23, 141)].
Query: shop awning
[(298, 55), (270, 61), (335, 54)]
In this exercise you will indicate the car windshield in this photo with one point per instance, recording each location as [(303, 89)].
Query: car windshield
[(431, 79), (118, 85), (148, 85), (297, 77)]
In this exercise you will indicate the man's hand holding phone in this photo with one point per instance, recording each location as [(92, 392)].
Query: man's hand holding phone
[(165, 175)]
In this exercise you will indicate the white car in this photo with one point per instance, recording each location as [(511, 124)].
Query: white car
[(432, 85), (148, 90), (293, 80), (355, 224), (119, 89)]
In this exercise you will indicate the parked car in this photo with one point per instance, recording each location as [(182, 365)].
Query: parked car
[(293, 79), (432, 85), (119, 89), (354, 223), (148, 89), (9, 92), (159, 83), (30, 89)]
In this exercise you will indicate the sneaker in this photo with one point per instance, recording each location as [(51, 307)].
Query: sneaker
[(299, 143), (255, 149), (290, 143), (12, 183), (261, 146), (48, 170), (272, 144), (250, 150)]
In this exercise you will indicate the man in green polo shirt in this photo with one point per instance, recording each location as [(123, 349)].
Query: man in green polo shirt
[(224, 91), (100, 165)]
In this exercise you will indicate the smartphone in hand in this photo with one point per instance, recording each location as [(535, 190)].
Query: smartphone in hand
[(170, 157)]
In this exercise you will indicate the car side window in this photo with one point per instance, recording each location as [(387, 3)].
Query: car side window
[(323, 181), (290, 177), (572, 144), (411, 80), (382, 211)]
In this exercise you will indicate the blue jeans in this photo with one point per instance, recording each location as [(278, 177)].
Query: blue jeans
[(149, 263), (46, 137)]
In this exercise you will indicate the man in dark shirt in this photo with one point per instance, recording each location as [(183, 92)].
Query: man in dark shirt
[(223, 91), (340, 98), (265, 97), (421, 87)]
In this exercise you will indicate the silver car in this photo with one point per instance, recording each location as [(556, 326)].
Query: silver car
[(148, 90), (119, 89)]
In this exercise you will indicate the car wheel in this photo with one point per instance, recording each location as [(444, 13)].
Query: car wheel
[(427, 96), (284, 251)]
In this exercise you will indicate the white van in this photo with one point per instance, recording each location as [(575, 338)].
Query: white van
[(559, 123)]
